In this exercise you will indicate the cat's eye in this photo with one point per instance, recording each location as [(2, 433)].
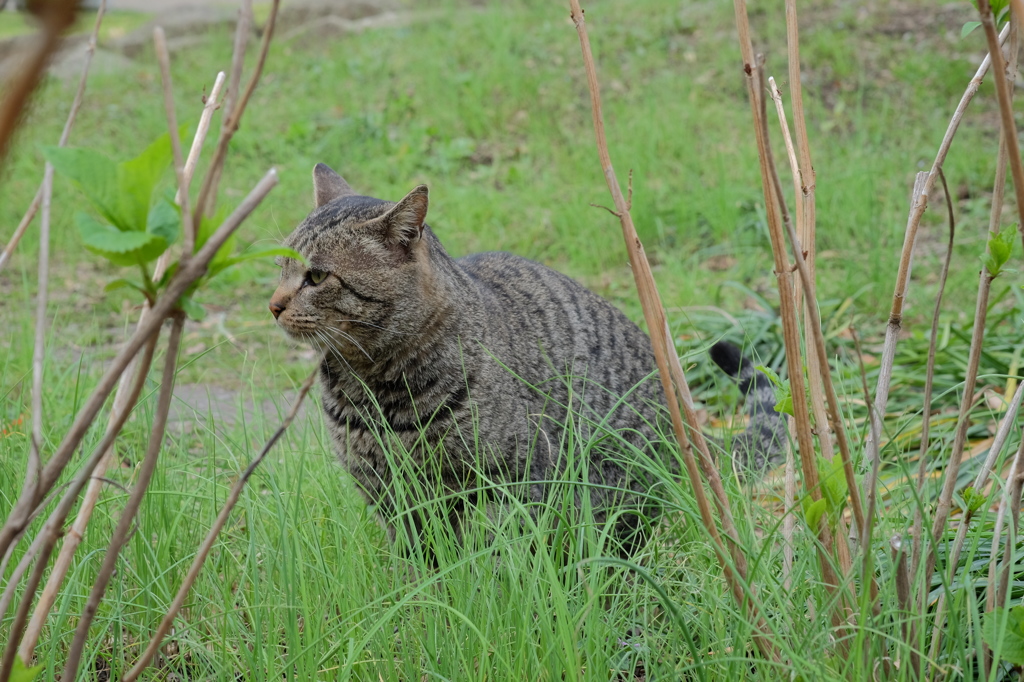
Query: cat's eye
[(314, 277)]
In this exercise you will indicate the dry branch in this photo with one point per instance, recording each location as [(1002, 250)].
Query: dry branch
[(918, 204), (56, 18), (76, 104), (121, 405), (127, 520), (211, 537), (183, 278), (42, 546), (673, 380), (929, 380), (164, 60), (790, 326), (235, 109)]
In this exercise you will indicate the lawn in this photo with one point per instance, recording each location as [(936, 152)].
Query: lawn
[(488, 105)]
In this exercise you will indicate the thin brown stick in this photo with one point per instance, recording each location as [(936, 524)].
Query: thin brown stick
[(1014, 482), (183, 278), (790, 510), (672, 377), (960, 437), (1005, 98), (124, 524), (43, 545), (164, 60), (816, 338), (790, 328), (1002, 434), (903, 598), (208, 191), (918, 204), (804, 182), (204, 550), (243, 28), (929, 381), (56, 18), (73, 537), (76, 104)]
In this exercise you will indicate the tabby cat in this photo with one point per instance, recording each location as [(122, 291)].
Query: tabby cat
[(471, 368)]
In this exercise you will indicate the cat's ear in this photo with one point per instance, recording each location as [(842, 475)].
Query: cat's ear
[(328, 185), (403, 224)]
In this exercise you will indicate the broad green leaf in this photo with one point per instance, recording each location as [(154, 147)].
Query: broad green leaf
[(120, 248), (22, 673), (137, 178), (968, 28), (192, 309), (1009, 641), (813, 512), (164, 221), (95, 175)]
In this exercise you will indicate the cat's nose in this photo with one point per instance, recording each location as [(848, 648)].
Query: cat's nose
[(276, 308)]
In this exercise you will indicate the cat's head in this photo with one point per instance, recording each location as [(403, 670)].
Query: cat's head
[(367, 277)]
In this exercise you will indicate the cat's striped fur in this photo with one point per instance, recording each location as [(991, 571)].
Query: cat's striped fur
[(476, 365)]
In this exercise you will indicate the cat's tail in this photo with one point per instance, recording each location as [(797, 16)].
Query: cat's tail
[(762, 444)]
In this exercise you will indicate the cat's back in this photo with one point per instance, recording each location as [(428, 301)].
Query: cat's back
[(548, 318)]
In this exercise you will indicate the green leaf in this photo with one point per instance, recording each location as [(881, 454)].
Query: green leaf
[(1000, 246), (164, 221), (770, 373), (1009, 641), (124, 284), (22, 673), (95, 175), (137, 178), (969, 28), (785, 403), (194, 310), (783, 396), (813, 512), (120, 248), (973, 499)]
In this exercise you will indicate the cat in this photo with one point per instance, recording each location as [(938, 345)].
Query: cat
[(471, 368)]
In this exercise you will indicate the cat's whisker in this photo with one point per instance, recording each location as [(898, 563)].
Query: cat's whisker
[(390, 330), (348, 337), (333, 349)]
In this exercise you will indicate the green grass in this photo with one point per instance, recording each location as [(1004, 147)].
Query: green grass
[(488, 106)]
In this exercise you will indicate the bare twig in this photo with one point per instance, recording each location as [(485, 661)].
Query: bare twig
[(790, 510), (929, 380), (211, 537), (816, 339), (124, 524), (74, 536), (673, 380), (903, 598), (183, 278), (918, 204), (235, 109), (1009, 419), (76, 104), (963, 420), (1005, 98), (56, 18), (164, 59), (790, 326), (43, 544)]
